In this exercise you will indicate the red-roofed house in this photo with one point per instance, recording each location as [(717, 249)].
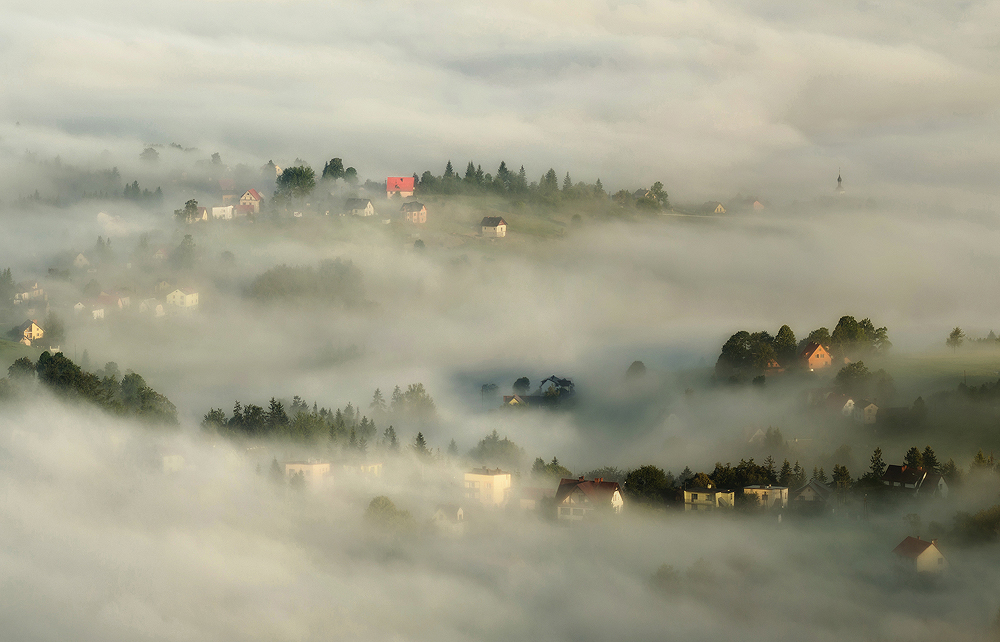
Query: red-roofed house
[(816, 356), (399, 185), (924, 555), (577, 499), (252, 199)]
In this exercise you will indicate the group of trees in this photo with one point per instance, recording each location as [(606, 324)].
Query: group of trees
[(127, 395), (514, 184), (747, 355), (332, 281), (344, 427)]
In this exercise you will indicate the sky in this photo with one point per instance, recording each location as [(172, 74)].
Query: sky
[(711, 98)]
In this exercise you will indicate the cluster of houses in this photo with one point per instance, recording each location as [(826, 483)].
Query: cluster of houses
[(171, 301), (248, 204)]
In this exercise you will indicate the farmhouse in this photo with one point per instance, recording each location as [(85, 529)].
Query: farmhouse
[(413, 212), (359, 207), (578, 499), (399, 186), (921, 555), (494, 227), (816, 356), (29, 331), (251, 201)]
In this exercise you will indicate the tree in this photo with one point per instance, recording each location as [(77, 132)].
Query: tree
[(877, 468), (389, 439), (553, 470), (819, 336), (333, 169), (55, 331), (785, 346), (854, 377), (522, 386), (383, 515), (785, 476), (420, 446), (277, 474), (636, 371), (296, 182), (930, 460), (183, 256), (189, 212), (658, 195), (494, 451), (841, 477), (453, 449), (351, 176), (955, 339), (648, 485), (150, 154), (913, 458)]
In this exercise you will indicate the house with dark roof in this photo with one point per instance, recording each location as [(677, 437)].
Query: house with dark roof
[(578, 499), (904, 477), (493, 227), (359, 207), (816, 356), (814, 494), (769, 496), (865, 412), (921, 555), (413, 212), (28, 331), (449, 519)]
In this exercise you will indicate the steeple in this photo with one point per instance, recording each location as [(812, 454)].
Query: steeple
[(840, 183)]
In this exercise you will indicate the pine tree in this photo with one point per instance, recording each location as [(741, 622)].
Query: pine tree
[(453, 449), (877, 468), (449, 171), (913, 458), (821, 477), (785, 476), (420, 445), (930, 461), (389, 437)]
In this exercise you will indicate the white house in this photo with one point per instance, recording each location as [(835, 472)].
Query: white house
[(491, 487), (359, 207), (151, 306), (707, 498), (186, 298), (449, 519), (225, 212), (769, 496), (494, 227)]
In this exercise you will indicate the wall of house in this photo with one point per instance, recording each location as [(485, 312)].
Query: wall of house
[(490, 490), (931, 561)]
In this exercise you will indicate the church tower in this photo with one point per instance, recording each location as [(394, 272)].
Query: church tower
[(840, 183)]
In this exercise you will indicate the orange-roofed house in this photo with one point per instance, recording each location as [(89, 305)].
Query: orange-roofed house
[(816, 357), (577, 499), (399, 186), (251, 200), (924, 555)]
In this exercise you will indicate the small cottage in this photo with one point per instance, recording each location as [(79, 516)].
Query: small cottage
[(494, 227)]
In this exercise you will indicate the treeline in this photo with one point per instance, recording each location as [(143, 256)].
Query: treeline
[(747, 354), (343, 427), (548, 189), (332, 281), (126, 395)]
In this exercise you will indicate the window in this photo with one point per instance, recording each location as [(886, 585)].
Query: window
[(694, 497)]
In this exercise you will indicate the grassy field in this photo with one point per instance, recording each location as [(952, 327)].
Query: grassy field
[(11, 351)]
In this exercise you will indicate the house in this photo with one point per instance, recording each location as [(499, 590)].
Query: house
[(915, 479), (769, 496), (491, 487), (449, 519), (904, 477), (161, 254), (363, 469), (757, 205), (151, 306), (865, 412), (813, 493), (399, 186), (313, 472), (702, 499), (91, 307), (714, 207), (921, 555), (494, 227), (110, 301), (359, 207), (27, 291), (81, 262), (184, 298), (413, 212), (816, 357), (225, 212), (531, 498), (29, 331), (578, 499), (251, 201)]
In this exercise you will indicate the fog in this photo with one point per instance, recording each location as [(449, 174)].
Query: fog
[(707, 97), (721, 101)]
